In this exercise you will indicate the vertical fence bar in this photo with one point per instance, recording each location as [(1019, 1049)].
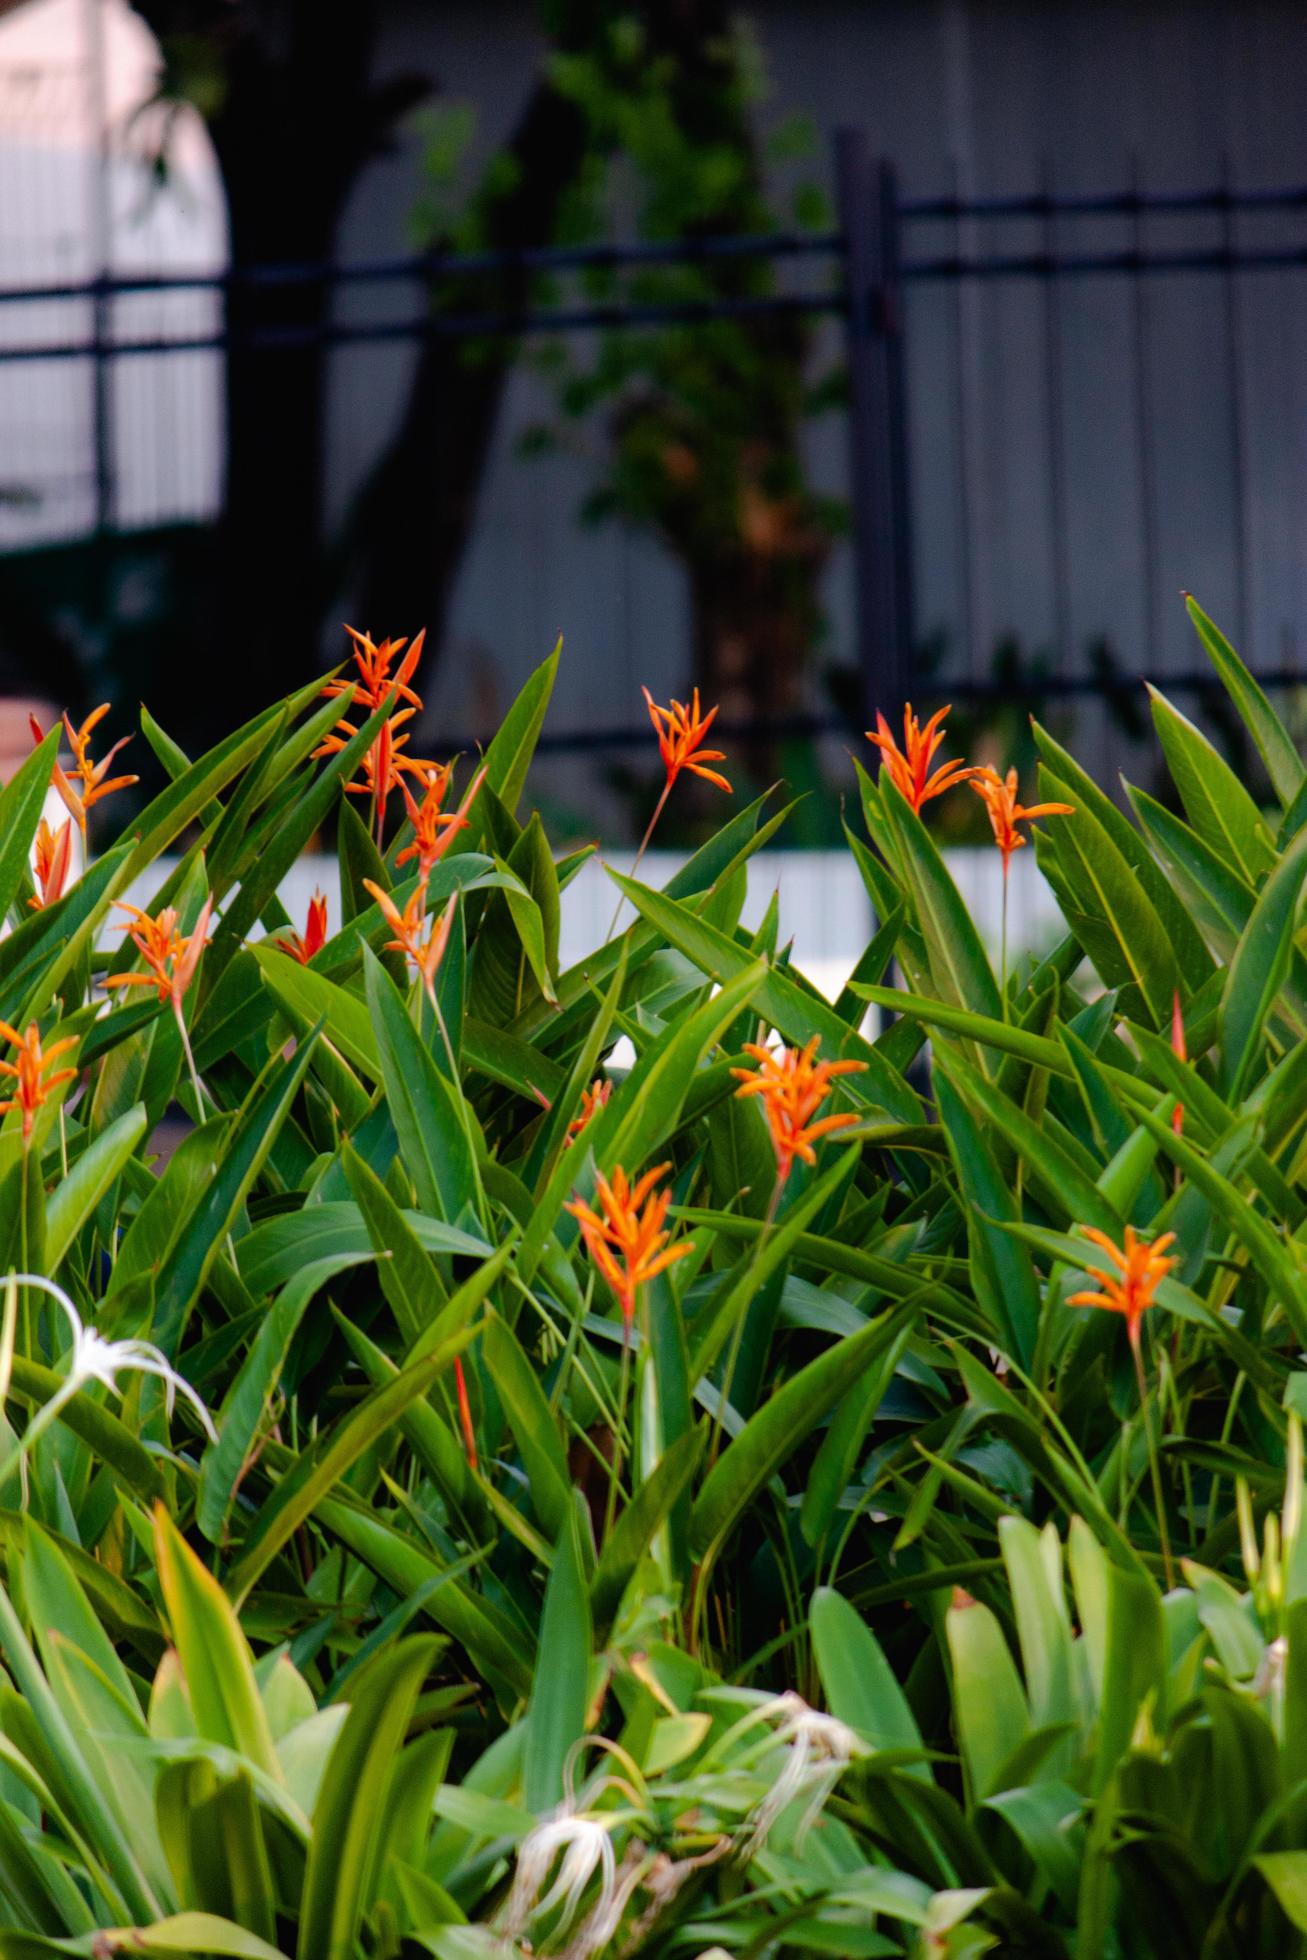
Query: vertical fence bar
[(1238, 414), (868, 202), (1143, 419), (99, 219), (1054, 408)]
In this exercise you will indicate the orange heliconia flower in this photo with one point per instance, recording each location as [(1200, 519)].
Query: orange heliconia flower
[(793, 1084), (1005, 812), (93, 780), (1140, 1270), (315, 933), (465, 1413), (408, 926), (383, 764), (908, 767), (374, 687), (30, 1091), (1179, 1047), (628, 1242), (170, 955), (680, 731), (375, 684), (593, 1100), (54, 850), (434, 829)]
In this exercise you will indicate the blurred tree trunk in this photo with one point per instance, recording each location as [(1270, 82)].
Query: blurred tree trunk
[(294, 114)]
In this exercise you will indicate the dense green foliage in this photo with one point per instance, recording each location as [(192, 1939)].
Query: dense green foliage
[(372, 1675)]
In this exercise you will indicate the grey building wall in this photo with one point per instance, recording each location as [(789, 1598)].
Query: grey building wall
[(1025, 402)]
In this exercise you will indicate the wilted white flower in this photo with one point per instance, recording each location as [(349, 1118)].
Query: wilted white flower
[(93, 1359), (587, 1847), (818, 1750)]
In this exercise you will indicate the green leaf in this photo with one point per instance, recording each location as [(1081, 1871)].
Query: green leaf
[(860, 1684), (958, 963), (247, 1398), (216, 1662), (1286, 1874), (75, 1197), (776, 1431), (320, 1468), (1001, 1271), (1258, 969), (1114, 918), (531, 1420), (624, 1547), (509, 756), (990, 1709), (346, 1849), (1274, 744), (198, 783), (792, 1011), (183, 1271), (429, 1112), (1215, 801), (559, 1698), (21, 804), (1048, 1164)]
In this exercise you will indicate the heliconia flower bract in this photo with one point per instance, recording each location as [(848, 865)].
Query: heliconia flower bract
[(593, 1099), (375, 684), (93, 781), (52, 855), (315, 933), (171, 955), (1005, 812), (30, 1074), (680, 731), (1130, 1289), (627, 1238), (1178, 1048), (424, 953), (434, 829), (792, 1085), (908, 768)]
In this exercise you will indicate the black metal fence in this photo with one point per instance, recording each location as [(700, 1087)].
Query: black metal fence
[(885, 247)]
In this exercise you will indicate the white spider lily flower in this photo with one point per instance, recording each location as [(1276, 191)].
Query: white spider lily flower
[(587, 1847), (818, 1750), (93, 1359)]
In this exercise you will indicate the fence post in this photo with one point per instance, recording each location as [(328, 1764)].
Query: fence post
[(878, 463)]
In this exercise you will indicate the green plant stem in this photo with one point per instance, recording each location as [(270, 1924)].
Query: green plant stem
[(196, 1084), (619, 1431), (1155, 1469), (737, 1335), (639, 856), (1003, 943), (26, 1316)]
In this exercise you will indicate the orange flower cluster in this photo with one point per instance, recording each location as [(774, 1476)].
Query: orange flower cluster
[(170, 955), (30, 1075), (374, 687), (1005, 812), (908, 768), (434, 829), (627, 1238), (793, 1084), (593, 1100), (53, 857), (423, 945), (315, 933), (680, 731), (93, 781), (1129, 1290)]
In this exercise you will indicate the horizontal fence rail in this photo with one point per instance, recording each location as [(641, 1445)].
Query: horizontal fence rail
[(861, 270)]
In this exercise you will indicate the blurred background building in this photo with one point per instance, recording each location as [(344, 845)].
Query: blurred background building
[(1015, 364)]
